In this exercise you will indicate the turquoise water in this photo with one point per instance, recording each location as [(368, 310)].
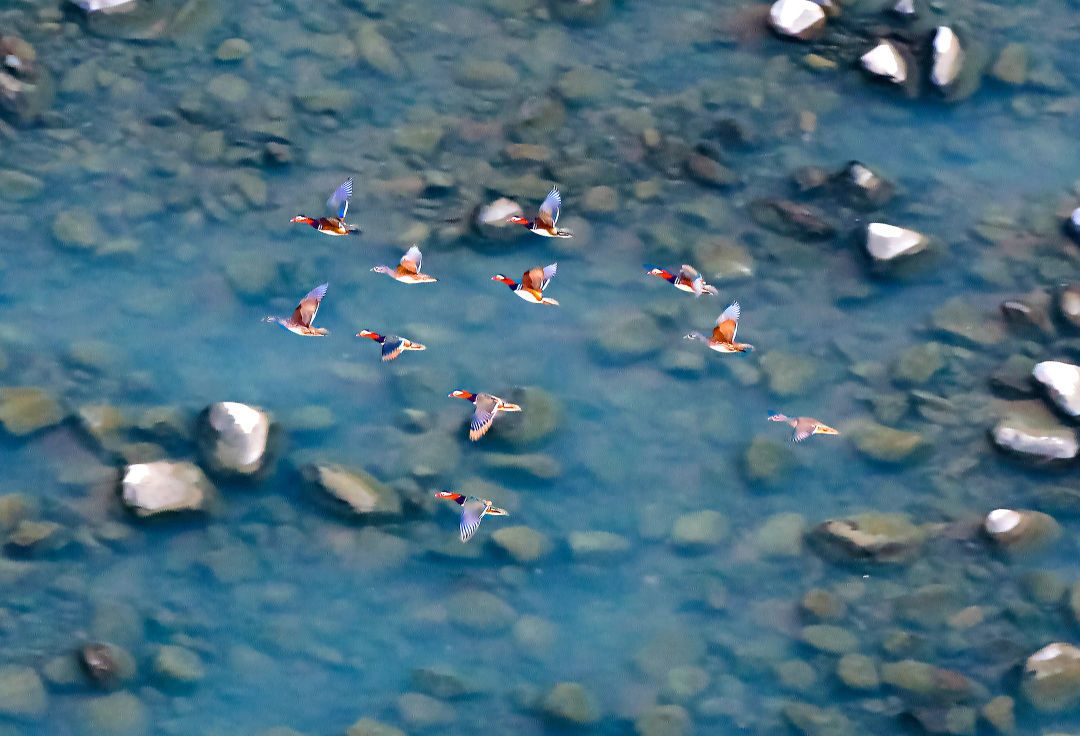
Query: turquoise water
[(308, 621)]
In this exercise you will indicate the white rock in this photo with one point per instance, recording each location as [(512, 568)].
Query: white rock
[(105, 6), (948, 57), (1075, 218), (1062, 382), (1000, 521), (885, 242), (155, 488), (233, 438), (905, 8), (885, 60), (800, 19), (1021, 530)]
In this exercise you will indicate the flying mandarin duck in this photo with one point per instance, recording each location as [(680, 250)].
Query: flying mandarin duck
[(487, 406), (300, 322), (688, 279), (533, 283), (544, 224), (722, 339), (336, 207), (392, 345), (473, 509), (804, 426), (408, 270)]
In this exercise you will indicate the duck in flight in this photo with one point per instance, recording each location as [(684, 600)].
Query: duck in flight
[(392, 345), (804, 426), (688, 279), (532, 285), (473, 509), (336, 207), (487, 406), (300, 322), (408, 270), (722, 339), (546, 218)]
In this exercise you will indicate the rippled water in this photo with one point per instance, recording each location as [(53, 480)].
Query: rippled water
[(307, 621)]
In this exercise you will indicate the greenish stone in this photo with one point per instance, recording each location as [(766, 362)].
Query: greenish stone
[(699, 529), (663, 720), (830, 639), (37, 537), (539, 420), (178, 666), (668, 650), (796, 674), (968, 325), (252, 187), (858, 672), (352, 491), (538, 465), (480, 611), (523, 544), (568, 703), (233, 49), (626, 337), (1043, 587), (22, 693), (767, 460), (16, 186), (62, 671), (228, 88), (326, 101), (422, 139), (77, 228), (781, 535), (535, 635), (814, 721), (927, 681), (249, 275), (1051, 678), (592, 545), (584, 84), (371, 727), (871, 537), (209, 146), (377, 52), (684, 683), (14, 508), (918, 364), (118, 714), (1000, 713), (823, 605), (486, 75), (442, 682), (887, 445), (788, 375), (24, 410)]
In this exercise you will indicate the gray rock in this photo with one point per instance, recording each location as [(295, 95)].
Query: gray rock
[(663, 720), (535, 635), (1012, 379), (802, 221), (699, 530), (108, 665), (178, 667), (830, 639), (352, 491), (1068, 300), (887, 242), (480, 611), (117, 714), (234, 439), (77, 228), (1000, 714), (1011, 66), (569, 704), (371, 727), (523, 544), (781, 535), (814, 721), (767, 460), (150, 489), (887, 445), (929, 683), (858, 672), (885, 61), (25, 410), (789, 375), (36, 538), (861, 187), (17, 186), (968, 325), (1020, 531), (478, 74), (684, 683), (378, 53), (823, 605), (948, 57), (1051, 679), (919, 364), (1031, 433), (539, 420), (233, 49), (442, 682), (800, 19), (871, 537), (597, 545), (1062, 382), (22, 694)]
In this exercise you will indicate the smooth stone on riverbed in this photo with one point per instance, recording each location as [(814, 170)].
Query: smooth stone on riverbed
[(663, 720), (108, 665), (597, 545), (480, 611), (871, 537), (22, 693), (885, 61), (858, 672), (801, 19), (948, 57), (1021, 530), (569, 704), (233, 439), (352, 491), (163, 487), (1029, 431), (371, 727), (887, 445), (699, 530), (523, 544), (178, 667), (1051, 679), (1000, 713), (780, 535), (814, 721), (829, 639), (1062, 382), (24, 410), (118, 714), (886, 242), (931, 683)]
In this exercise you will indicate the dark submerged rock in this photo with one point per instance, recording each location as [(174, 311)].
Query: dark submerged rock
[(785, 217)]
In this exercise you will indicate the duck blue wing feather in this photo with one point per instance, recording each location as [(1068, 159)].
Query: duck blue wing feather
[(551, 207), (338, 204)]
